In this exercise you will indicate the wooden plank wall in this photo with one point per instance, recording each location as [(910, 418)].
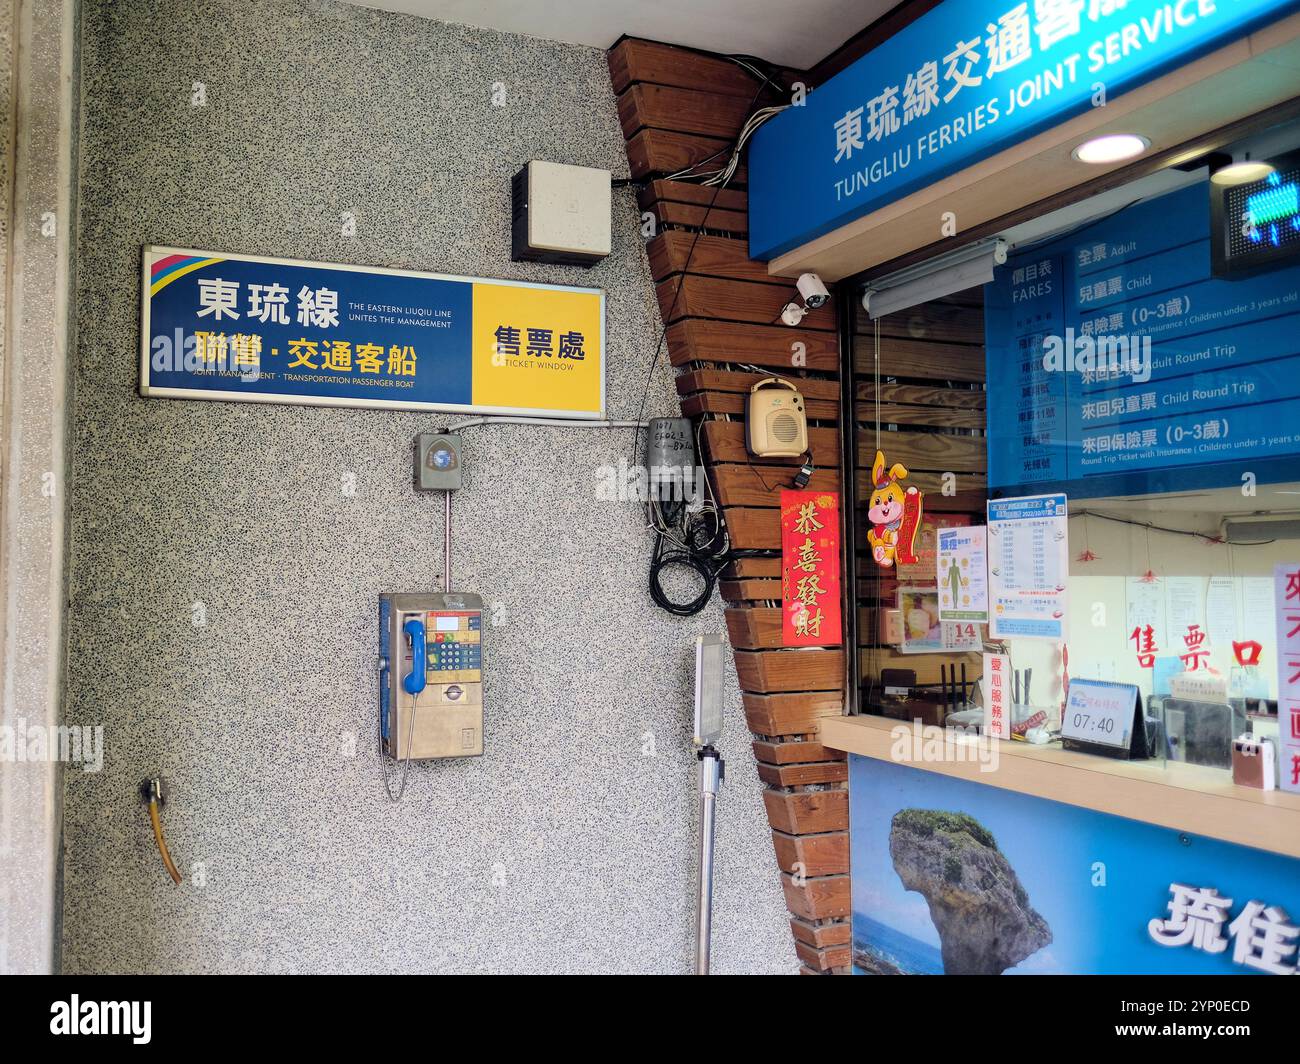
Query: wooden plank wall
[(931, 414), (677, 107)]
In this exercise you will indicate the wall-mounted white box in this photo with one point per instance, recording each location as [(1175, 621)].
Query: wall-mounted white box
[(561, 214)]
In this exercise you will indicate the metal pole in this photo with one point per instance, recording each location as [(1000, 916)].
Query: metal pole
[(446, 543), (711, 773)]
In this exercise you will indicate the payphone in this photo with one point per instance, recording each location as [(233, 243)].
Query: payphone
[(430, 677), (431, 664)]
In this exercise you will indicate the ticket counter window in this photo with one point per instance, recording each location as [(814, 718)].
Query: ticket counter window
[(1140, 356)]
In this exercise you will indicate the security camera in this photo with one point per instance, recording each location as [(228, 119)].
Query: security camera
[(812, 290)]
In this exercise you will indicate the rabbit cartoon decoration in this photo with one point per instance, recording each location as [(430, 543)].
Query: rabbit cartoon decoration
[(895, 515)]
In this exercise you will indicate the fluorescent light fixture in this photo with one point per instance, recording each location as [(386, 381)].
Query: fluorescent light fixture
[(709, 671), (1112, 148), (954, 272), (1241, 172), (1260, 531), (1260, 526)]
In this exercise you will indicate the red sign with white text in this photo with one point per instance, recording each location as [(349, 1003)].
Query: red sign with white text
[(810, 569)]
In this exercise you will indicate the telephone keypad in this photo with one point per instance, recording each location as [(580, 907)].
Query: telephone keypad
[(455, 654)]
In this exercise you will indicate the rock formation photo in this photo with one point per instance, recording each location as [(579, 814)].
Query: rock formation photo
[(977, 902)]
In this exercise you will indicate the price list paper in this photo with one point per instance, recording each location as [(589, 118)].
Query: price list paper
[(1029, 566)]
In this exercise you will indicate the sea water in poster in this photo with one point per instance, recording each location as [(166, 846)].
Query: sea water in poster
[(252, 329), (1029, 567), (961, 568), (1074, 892), (1118, 365)]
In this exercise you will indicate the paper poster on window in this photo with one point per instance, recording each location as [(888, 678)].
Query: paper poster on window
[(1185, 609), (1029, 566), (250, 329), (997, 689), (961, 570), (927, 545), (1147, 632), (925, 633), (1286, 603), (1221, 620)]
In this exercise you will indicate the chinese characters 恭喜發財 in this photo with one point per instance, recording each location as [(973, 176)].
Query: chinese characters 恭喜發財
[(806, 614)]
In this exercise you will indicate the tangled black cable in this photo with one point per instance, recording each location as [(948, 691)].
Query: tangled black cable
[(701, 545)]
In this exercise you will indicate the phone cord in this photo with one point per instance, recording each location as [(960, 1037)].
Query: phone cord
[(406, 761), (162, 845)]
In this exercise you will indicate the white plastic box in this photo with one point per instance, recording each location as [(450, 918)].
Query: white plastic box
[(561, 214)]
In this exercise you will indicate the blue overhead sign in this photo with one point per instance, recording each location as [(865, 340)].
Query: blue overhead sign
[(961, 83)]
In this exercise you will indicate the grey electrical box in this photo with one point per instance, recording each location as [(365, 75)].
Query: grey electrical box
[(669, 443), (670, 458), (438, 461)]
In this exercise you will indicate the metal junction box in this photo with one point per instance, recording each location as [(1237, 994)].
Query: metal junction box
[(438, 461)]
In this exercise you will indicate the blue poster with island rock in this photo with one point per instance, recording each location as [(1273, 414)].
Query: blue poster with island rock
[(960, 878)]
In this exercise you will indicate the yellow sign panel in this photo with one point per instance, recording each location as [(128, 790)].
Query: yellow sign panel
[(538, 349)]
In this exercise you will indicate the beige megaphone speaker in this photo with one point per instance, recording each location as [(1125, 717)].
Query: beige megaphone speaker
[(776, 425)]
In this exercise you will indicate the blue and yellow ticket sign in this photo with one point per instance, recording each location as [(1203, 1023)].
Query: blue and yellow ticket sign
[(251, 329)]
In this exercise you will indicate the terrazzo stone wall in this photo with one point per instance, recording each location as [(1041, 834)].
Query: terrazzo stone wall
[(8, 57), (224, 580)]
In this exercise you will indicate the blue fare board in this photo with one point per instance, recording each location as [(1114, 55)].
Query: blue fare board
[(961, 83), (252, 329), (1118, 366), (1076, 892)]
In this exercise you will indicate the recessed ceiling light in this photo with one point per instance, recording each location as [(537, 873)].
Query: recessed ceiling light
[(1240, 173), (1112, 148)]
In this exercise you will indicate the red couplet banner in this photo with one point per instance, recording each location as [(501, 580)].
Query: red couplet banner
[(810, 568)]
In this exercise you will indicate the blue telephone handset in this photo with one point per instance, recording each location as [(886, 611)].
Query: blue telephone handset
[(413, 682)]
